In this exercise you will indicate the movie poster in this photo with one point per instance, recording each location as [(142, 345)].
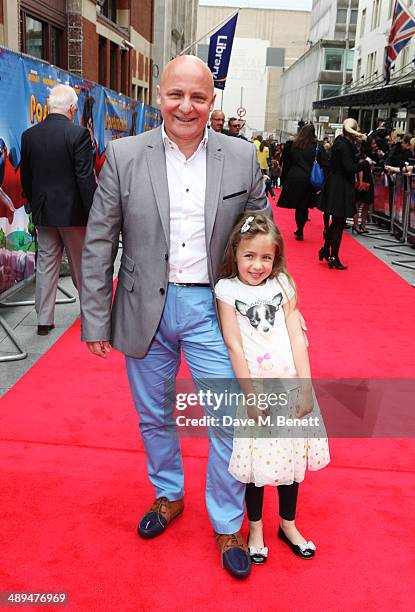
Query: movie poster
[(25, 84)]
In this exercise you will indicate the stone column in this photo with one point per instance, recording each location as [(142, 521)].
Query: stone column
[(74, 29)]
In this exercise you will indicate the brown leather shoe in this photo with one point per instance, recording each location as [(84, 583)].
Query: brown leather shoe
[(234, 554), (161, 513)]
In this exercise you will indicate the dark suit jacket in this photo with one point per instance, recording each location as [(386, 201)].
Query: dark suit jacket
[(56, 172)]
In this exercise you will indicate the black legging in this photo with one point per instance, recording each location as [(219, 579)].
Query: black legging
[(301, 216), (334, 236), (254, 498)]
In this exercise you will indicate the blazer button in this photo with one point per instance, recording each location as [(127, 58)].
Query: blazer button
[(166, 256), (162, 291)]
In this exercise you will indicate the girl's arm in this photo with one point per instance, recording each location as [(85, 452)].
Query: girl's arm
[(300, 355), (233, 341)]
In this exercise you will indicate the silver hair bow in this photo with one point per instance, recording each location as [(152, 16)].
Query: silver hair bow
[(247, 225)]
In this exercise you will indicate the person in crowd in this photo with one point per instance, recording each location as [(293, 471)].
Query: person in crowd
[(285, 155), (327, 148), (234, 128), (164, 304), (217, 120), (257, 141), (271, 148), (278, 152), (297, 191), (263, 156), (57, 176), (365, 193), (274, 347), (268, 185), (375, 153), (338, 193), (275, 171), (400, 152)]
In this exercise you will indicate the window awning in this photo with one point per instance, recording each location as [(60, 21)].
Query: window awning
[(390, 94)]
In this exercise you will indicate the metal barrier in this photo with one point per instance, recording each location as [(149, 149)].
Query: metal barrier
[(393, 195), (408, 223), (21, 354)]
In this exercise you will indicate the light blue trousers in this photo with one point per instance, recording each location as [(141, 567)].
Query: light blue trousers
[(189, 324)]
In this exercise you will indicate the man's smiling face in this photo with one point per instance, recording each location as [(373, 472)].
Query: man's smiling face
[(186, 97)]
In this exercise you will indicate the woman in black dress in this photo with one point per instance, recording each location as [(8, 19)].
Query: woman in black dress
[(338, 194), (297, 161), (365, 193)]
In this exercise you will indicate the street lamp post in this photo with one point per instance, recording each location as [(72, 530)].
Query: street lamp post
[(346, 55)]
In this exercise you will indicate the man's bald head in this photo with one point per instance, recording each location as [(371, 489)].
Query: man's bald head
[(188, 63), (217, 120)]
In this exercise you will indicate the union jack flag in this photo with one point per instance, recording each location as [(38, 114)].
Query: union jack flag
[(402, 30)]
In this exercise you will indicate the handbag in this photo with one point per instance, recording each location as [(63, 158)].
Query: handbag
[(317, 173), (362, 186)]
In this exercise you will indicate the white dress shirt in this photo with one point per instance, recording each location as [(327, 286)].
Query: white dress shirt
[(187, 187)]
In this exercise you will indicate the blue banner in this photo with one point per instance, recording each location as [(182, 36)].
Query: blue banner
[(25, 84), (220, 49)]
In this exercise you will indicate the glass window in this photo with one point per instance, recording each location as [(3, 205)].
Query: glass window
[(358, 69), (329, 91), (341, 16), (350, 58), (363, 23), (34, 38), (353, 17), (102, 61), (55, 46), (109, 9), (333, 59), (375, 14)]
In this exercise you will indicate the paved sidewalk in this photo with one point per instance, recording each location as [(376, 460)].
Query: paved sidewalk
[(22, 319)]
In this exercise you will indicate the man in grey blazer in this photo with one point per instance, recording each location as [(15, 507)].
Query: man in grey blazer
[(175, 194)]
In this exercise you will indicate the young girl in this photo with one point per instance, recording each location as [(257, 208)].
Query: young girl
[(262, 329)]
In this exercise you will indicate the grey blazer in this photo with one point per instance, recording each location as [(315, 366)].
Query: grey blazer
[(133, 197)]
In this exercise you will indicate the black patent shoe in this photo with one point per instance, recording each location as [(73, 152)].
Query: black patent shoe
[(258, 555), (304, 551), (334, 262)]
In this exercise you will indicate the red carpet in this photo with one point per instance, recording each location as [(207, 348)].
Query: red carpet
[(73, 481)]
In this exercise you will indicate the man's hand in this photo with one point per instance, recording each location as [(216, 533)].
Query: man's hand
[(99, 348)]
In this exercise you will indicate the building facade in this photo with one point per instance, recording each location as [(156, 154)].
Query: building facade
[(106, 41), (175, 25), (266, 42), (324, 70), (368, 98)]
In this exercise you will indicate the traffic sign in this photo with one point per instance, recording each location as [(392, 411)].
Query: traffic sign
[(241, 112)]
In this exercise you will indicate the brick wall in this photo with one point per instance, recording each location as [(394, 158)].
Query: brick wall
[(90, 51), (142, 18)]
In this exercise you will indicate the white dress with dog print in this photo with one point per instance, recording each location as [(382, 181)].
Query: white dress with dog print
[(262, 454)]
